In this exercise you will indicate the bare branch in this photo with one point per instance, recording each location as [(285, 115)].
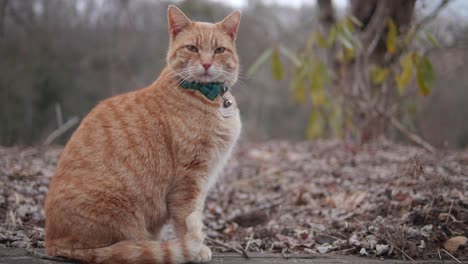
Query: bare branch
[(410, 135), (61, 130), (412, 34)]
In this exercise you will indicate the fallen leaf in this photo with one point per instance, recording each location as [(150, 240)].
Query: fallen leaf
[(347, 200), (322, 239), (251, 219), (381, 249), (325, 248), (363, 252), (452, 244)]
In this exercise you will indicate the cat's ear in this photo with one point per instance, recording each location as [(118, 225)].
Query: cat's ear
[(177, 20), (231, 24)]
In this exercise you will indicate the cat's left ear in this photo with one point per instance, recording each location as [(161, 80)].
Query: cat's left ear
[(231, 24)]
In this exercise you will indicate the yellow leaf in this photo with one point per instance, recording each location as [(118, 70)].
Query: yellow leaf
[(299, 91), (321, 40), (391, 36), (276, 65), (379, 74), (331, 37), (318, 79), (406, 75), (316, 125)]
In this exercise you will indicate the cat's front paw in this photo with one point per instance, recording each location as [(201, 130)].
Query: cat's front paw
[(204, 255)]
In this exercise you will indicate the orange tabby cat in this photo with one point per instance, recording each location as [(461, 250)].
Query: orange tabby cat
[(146, 157)]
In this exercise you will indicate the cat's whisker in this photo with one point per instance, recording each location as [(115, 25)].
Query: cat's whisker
[(232, 78)]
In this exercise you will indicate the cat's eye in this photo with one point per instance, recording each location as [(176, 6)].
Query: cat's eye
[(192, 48), (219, 50)]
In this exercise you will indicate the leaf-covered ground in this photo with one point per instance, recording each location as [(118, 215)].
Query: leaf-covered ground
[(379, 200)]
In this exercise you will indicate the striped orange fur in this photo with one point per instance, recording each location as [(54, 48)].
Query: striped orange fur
[(146, 157)]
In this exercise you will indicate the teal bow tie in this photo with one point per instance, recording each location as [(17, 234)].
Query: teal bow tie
[(210, 90)]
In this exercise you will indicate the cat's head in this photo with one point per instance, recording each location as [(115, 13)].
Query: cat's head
[(203, 52)]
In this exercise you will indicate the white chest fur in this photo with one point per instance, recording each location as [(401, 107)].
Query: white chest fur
[(232, 124)]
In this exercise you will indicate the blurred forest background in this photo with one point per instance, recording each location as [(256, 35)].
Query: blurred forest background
[(59, 58)]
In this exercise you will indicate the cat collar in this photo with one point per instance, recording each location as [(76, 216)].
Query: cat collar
[(210, 90)]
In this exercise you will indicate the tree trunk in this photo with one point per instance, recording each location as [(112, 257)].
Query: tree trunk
[(327, 13), (374, 15)]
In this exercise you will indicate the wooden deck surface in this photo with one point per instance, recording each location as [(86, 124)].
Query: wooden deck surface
[(20, 256)]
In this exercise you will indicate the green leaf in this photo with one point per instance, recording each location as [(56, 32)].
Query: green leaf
[(355, 21), (315, 127), (321, 42), (412, 109), (276, 65), (379, 74), (331, 36), (406, 75), (298, 84), (346, 37), (425, 75), (431, 39), (324, 74), (311, 41), (290, 55), (299, 90), (349, 123), (345, 42), (391, 36), (346, 55), (259, 62)]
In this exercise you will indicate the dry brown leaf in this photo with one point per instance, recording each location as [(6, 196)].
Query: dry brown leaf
[(347, 200), (452, 244), (251, 218)]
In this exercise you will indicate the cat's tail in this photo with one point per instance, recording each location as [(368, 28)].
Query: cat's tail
[(186, 249)]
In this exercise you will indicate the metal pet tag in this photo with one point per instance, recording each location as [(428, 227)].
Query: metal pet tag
[(227, 111)]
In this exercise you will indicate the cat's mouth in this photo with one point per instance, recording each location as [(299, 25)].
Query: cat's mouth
[(206, 77)]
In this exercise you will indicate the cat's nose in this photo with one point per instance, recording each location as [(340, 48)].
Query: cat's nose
[(206, 66)]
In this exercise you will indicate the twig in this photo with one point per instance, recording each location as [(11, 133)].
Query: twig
[(246, 249), (343, 250), (402, 252), (377, 33), (61, 130), (412, 34), (240, 251), (430, 16), (58, 114), (455, 220), (451, 255), (393, 245), (450, 210), (410, 135), (429, 211)]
